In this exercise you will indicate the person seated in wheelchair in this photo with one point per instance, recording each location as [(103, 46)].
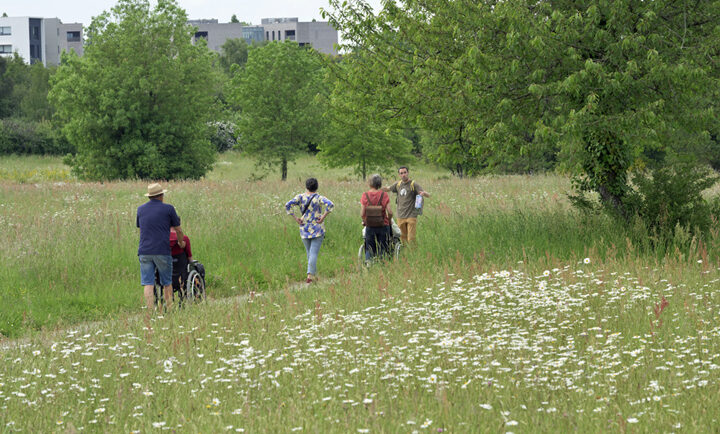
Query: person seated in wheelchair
[(181, 257), (376, 215)]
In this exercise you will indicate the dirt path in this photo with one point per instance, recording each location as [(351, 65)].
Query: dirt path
[(93, 326)]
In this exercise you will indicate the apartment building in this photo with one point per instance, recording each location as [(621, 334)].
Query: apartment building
[(44, 39), (318, 34), (39, 39), (216, 33)]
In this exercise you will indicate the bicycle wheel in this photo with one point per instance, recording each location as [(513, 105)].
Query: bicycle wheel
[(195, 287), (361, 257)]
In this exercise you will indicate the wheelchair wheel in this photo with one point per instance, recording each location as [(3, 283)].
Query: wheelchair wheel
[(158, 292), (396, 246), (361, 257), (195, 287)]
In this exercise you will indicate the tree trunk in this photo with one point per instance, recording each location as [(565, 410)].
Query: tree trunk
[(606, 167), (364, 172), (283, 169), (611, 199)]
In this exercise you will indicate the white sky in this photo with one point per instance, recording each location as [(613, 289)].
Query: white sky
[(82, 11)]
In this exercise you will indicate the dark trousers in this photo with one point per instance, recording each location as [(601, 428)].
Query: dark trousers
[(180, 270), (377, 241)]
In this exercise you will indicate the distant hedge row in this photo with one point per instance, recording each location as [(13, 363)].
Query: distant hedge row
[(18, 136)]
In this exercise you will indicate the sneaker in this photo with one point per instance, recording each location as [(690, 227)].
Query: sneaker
[(308, 280)]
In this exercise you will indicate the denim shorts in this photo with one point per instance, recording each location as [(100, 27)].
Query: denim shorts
[(148, 264)]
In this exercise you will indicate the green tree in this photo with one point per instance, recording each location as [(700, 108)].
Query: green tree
[(33, 96), (136, 105), (24, 89), (356, 136), (13, 74), (234, 19), (598, 84), (279, 93), (233, 52)]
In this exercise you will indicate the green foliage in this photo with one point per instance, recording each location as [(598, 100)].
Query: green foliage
[(24, 89), (667, 197), (21, 136), (234, 19), (597, 85), (223, 136), (356, 135), (137, 104), (6, 87), (233, 52), (33, 94), (279, 93)]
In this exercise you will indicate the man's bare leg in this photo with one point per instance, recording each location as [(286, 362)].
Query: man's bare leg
[(150, 297), (168, 296)]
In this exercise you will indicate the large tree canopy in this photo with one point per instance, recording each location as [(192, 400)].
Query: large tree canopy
[(602, 84), (136, 104), (281, 113), (357, 134)]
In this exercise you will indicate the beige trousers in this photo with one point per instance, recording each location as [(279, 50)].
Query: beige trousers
[(408, 227)]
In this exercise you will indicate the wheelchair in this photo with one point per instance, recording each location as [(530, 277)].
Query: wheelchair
[(395, 246), (188, 287)]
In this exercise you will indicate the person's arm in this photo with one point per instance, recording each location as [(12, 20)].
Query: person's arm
[(421, 192), (363, 204), (180, 236), (295, 201), (328, 208), (388, 208), (188, 250)]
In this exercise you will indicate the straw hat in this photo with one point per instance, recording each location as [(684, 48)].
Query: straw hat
[(155, 189)]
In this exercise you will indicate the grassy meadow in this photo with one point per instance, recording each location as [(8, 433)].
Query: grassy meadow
[(513, 313)]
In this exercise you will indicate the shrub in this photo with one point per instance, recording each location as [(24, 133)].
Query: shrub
[(223, 136), (18, 136), (668, 197)]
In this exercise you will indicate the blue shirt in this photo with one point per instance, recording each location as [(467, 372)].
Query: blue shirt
[(155, 219), (310, 227)]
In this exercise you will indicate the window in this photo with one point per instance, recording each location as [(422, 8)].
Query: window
[(267, 36), (5, 49), (73, 36), (273, 33), (36, 32), (199, 35), (6, 30), (290, 34)]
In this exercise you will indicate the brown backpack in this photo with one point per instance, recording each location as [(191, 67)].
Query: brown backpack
[(374, 214)]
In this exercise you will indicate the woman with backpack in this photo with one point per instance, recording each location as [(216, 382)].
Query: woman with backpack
[(313, 211), (376, 215)]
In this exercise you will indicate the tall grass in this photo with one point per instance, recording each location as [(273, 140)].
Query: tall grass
[(512, 313), (72, 247)]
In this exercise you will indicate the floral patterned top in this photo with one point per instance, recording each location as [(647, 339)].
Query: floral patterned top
[(310, 228)]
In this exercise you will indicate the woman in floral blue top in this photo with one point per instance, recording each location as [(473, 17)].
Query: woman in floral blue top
[(311, 219)]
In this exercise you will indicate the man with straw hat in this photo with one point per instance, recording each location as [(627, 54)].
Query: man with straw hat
[(155, 218)]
